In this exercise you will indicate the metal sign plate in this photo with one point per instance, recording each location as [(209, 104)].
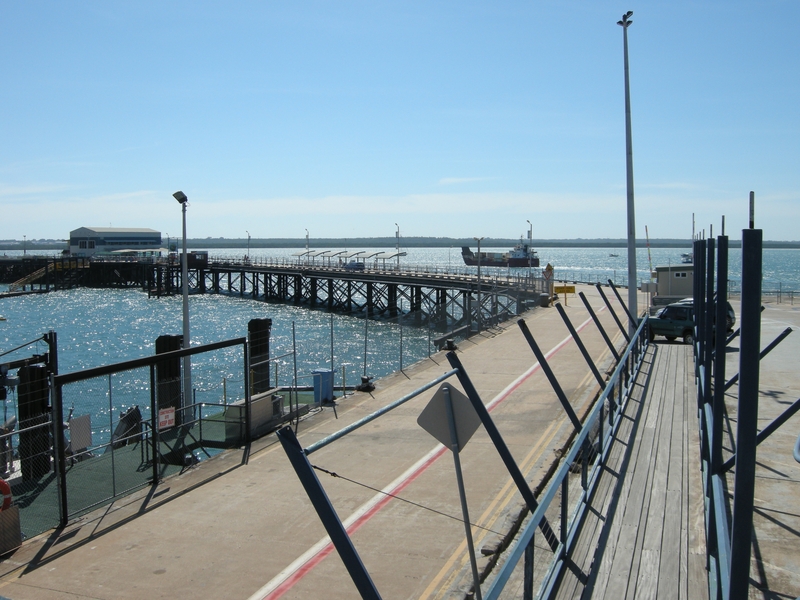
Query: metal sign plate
[(433, 418)]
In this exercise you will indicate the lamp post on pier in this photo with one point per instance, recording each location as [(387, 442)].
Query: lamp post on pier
[(530, 253), (480, 311), (187, 362), (632, 283), (398, 245)]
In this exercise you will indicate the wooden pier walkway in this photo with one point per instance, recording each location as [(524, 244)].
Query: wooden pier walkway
[(645, 537)]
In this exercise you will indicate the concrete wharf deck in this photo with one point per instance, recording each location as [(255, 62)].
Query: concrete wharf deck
[(240, 526)]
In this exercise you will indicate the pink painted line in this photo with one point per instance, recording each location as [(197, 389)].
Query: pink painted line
[(314, 560), (285, 581)]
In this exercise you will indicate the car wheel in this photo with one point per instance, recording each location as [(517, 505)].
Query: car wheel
[(688, 338)]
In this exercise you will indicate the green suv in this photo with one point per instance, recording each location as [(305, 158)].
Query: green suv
[(674, 321)]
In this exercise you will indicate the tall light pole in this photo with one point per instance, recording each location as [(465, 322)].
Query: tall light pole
[(632, 283), (398, 245), (187, 362), (530, 254), (480, 312), (248, 243)]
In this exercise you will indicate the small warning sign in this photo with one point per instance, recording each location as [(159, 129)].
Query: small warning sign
[(166, 418), (547, 272), (435, 421)]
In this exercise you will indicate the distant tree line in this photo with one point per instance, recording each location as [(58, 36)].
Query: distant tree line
[(405, 242)]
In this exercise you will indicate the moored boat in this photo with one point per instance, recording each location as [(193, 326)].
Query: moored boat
[(521, 255)]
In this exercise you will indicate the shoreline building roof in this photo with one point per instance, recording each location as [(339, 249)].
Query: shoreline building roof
[(87, 241)]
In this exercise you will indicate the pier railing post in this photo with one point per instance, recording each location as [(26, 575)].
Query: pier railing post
[(747, 423), (708, 321)]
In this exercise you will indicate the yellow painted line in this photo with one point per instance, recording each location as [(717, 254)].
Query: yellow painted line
[(15, 574), (506, 494), (460, 552)]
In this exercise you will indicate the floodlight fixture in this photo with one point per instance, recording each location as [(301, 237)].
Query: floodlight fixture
[(180, 197)]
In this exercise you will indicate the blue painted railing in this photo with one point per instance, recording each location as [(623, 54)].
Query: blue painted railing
[(614, 398)]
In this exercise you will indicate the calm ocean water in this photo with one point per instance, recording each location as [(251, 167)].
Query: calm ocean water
[(98, 327), (101, 327)]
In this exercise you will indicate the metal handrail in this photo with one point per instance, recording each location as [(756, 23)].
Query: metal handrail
[(524, 538)]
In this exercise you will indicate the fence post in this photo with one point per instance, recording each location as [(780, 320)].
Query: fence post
[(747, 425), (708, 320), (59, 450), (154, 422), (718, 402), (247, 395)]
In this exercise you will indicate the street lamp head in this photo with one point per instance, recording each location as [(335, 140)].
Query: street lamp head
[(180, 197), (625, 19)]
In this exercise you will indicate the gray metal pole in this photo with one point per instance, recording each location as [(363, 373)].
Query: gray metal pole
[(632, 279), (454, 446), (366, 322), (398, 246), (479, 313), (187, 361)]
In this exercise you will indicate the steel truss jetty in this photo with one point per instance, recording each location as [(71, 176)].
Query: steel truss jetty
[(450, 301), (445, 299)]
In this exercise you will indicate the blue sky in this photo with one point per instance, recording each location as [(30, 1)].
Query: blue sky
[(453, 119)]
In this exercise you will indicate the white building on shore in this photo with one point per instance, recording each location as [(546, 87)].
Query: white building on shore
[(88, 241)]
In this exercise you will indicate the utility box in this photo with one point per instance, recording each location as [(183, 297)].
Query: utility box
[(323, 385)]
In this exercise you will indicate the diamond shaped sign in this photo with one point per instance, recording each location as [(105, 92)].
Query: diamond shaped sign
[(433, 418)]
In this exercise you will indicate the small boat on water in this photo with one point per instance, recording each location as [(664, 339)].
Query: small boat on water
[(613, 255), (521, 255)]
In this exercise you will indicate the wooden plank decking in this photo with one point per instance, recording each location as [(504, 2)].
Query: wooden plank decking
[(644, 534)]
